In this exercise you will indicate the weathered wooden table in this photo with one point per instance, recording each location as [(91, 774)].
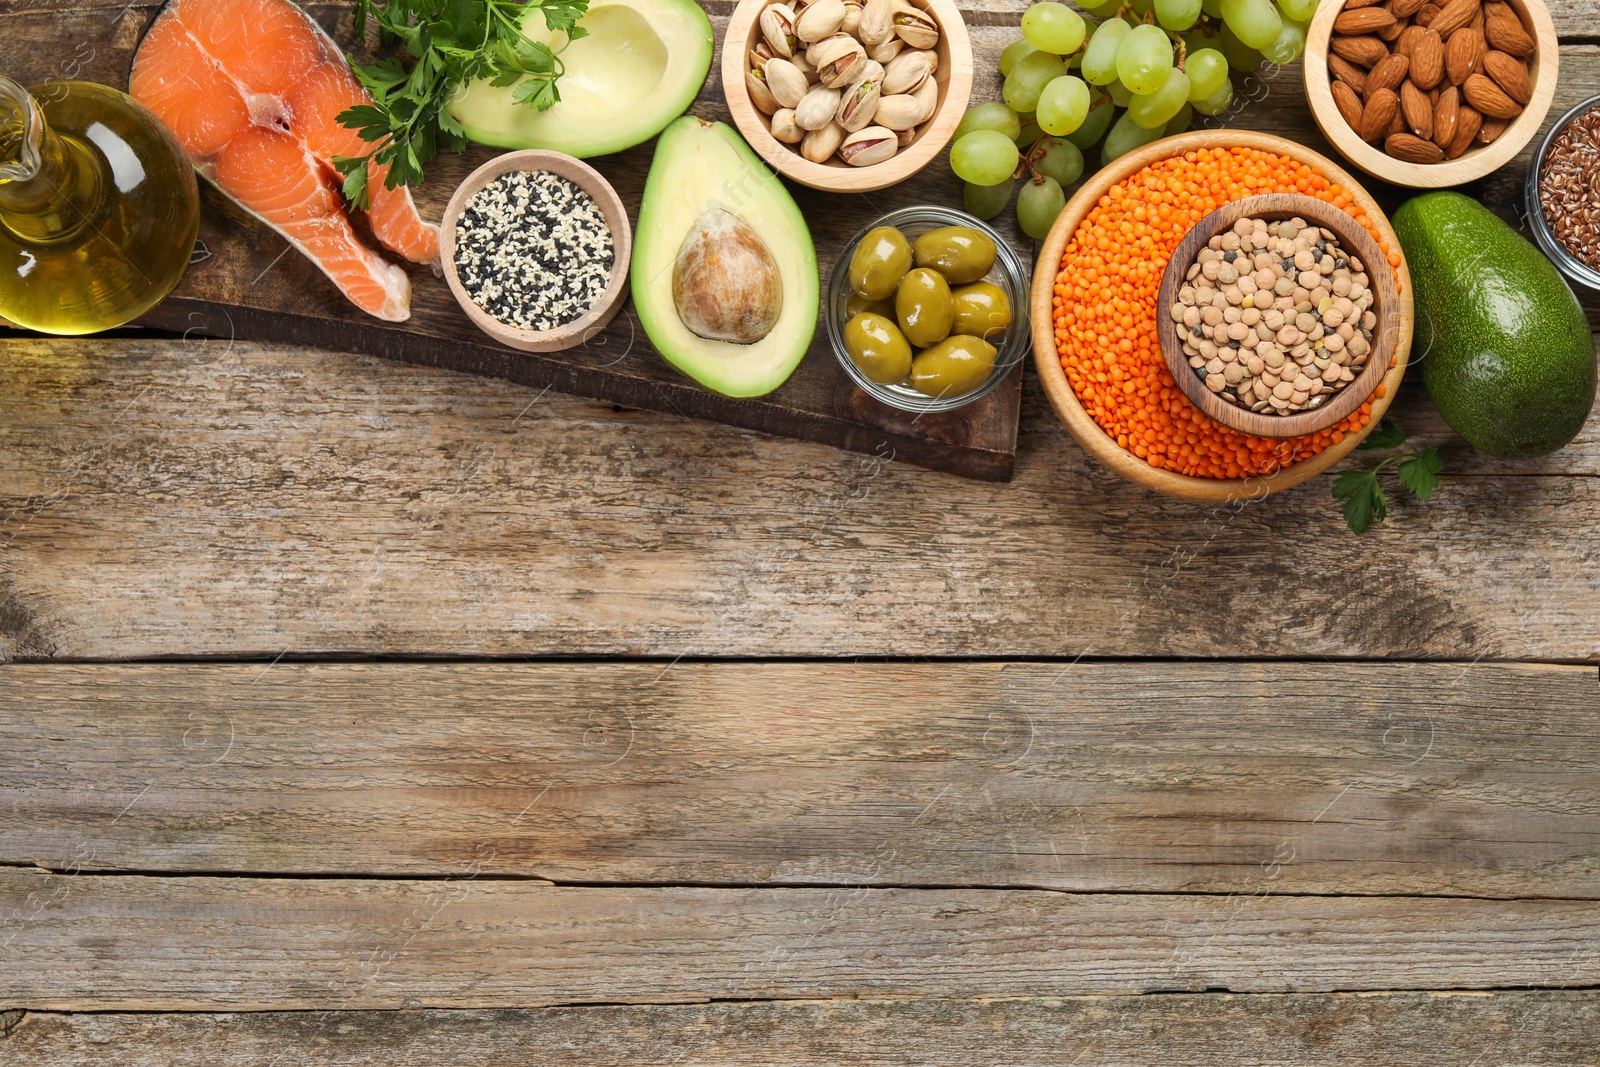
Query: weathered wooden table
[(360, 713)]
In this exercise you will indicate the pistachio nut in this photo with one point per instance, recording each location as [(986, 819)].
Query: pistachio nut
[(873, 70), (784, 127), (871, 145), (852, 17), (839, 61), (858, 104), (755, 83), (914, 26), (928, 94), (814, 49), (885, 52), (788, 85), (819, 19), (906, 71), (877, 22), (904, 137), (898, 112), (777, 27), (817, 109), (760, 54), (820, 145)]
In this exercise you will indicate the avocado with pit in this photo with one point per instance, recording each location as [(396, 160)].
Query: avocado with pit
[(1507, 354), (640, 66), (724, 273)]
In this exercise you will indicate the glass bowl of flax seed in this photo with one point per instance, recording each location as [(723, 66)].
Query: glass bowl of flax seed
[(1563, 194)]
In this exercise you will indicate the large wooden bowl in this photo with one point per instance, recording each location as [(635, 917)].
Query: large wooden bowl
[(1355, 241), (954, 79), (1476, 162), (1095, 440)]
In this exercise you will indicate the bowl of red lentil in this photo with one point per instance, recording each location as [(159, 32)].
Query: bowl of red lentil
[(1563, 198), (1096, 291)]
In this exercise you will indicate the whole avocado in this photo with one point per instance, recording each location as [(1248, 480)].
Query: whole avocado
[(1507, 353)]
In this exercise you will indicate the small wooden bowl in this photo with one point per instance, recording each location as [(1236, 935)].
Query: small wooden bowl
[(590, 181), (1476, 162), (1355, 241), (1059, 390), (954, 79)]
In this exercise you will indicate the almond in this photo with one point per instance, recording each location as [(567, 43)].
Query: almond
[(1407, 42), (1427, 14), (1508, 36), (1427, 60), (1477, 22), (1510, 74), (1388, 74), (1445, 113), (1487, 97), (1396, 124), (1382, 107), (1456, 14), (1468, 123), (1409, 149), (1491, 130), (1496, 9), (1345, 71), (1404, 9), (1362, 51), (1362, 20), (1417, 110), (1351, 5), (1348, 103), (1463, 54), (1391, 33)]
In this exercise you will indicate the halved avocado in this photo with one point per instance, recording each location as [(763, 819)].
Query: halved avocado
[(640, 67), (702, 165)]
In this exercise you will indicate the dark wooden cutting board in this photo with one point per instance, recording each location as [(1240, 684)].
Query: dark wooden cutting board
[(247, 282)]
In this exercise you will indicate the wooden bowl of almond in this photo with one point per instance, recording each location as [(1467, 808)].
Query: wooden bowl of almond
[(1431, 93)]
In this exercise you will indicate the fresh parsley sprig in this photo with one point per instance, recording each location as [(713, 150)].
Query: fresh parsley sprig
[(1417, 468), (451, 43)]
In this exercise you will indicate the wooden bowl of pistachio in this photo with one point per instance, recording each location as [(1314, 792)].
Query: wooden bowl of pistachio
[(847, 96)]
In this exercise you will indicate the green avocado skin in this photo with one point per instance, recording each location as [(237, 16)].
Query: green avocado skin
[(1507, 354)]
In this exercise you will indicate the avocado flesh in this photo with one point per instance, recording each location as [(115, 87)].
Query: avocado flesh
[(640, 67), (1507, 353), (698, 163)]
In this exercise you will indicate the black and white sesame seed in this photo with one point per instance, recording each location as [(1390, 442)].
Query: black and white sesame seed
[(533, 250)]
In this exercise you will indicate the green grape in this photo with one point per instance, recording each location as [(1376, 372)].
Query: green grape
[(1029, 77), (1012, 53), (1038, 205), (1094, 127), (1144, 58), (1102, 11), (1212, 8), (1030, 133), (1298, 10), (1125, 136), (1177, 14), (1141, 8), (1255, 22), (1100, 60), (1217, 102), (1180, 121), (1207, 70), (1052, 27), (1241, 57), (1063, 106), (986, 201), (984, 157), (1061, 160), (1154, 110), (1119, 94), (1290, 42), (996, 117)]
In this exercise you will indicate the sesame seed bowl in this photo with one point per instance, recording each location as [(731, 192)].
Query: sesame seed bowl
[(535, 246)]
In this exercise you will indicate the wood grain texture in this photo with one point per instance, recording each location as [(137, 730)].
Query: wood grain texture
[(1218, 778), (1534, 1029), (204, 944)]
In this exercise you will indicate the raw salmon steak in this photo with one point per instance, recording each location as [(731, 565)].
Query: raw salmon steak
[(253, 90)]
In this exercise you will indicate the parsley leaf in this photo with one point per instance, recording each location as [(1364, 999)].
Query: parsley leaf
[(1421, 473), (1385, 437), (1362, 492), (1363, 499)]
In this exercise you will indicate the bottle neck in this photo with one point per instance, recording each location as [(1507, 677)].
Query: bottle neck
[(50, 188)]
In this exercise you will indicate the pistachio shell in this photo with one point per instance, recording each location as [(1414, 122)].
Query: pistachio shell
[(928, 94), (840, 60), (814, 49), (755, 83), (877, 24), (858, 104), (777, 28), (885, 52), (868, 146), (820, 145), (852, 17), (904, 137), (784, 127), (788, 85), (914, 26), (898, 112), (907, 71), (819, 19), (760, 54), (817, 109)]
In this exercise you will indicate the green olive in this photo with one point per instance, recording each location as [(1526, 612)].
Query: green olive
[(877, 346), (960, 253), (924, 308), (954, 366), (855, 304), (982, 310), (879, 262)]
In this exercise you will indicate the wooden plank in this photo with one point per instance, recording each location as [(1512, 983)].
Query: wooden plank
[(1218, 778), (167, 499), (246, 287), (98, 942), (1535, 1029)]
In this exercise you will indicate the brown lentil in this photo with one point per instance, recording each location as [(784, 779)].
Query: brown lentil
[(1569, 188)]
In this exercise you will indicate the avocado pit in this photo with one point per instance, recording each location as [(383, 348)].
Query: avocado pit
[(725, 281)]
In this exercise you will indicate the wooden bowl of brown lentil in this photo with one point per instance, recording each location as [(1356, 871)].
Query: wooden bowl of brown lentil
[(497, 256), (1296, 334)]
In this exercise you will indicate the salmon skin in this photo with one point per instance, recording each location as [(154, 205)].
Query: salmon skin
[(253, 90)]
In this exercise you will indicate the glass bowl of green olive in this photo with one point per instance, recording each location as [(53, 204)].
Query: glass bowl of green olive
[(927, 309)]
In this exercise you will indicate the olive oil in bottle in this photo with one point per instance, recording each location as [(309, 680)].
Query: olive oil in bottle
[(98, 207)]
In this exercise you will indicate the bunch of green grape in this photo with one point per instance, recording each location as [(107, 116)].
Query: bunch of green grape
[(1140, 74)]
